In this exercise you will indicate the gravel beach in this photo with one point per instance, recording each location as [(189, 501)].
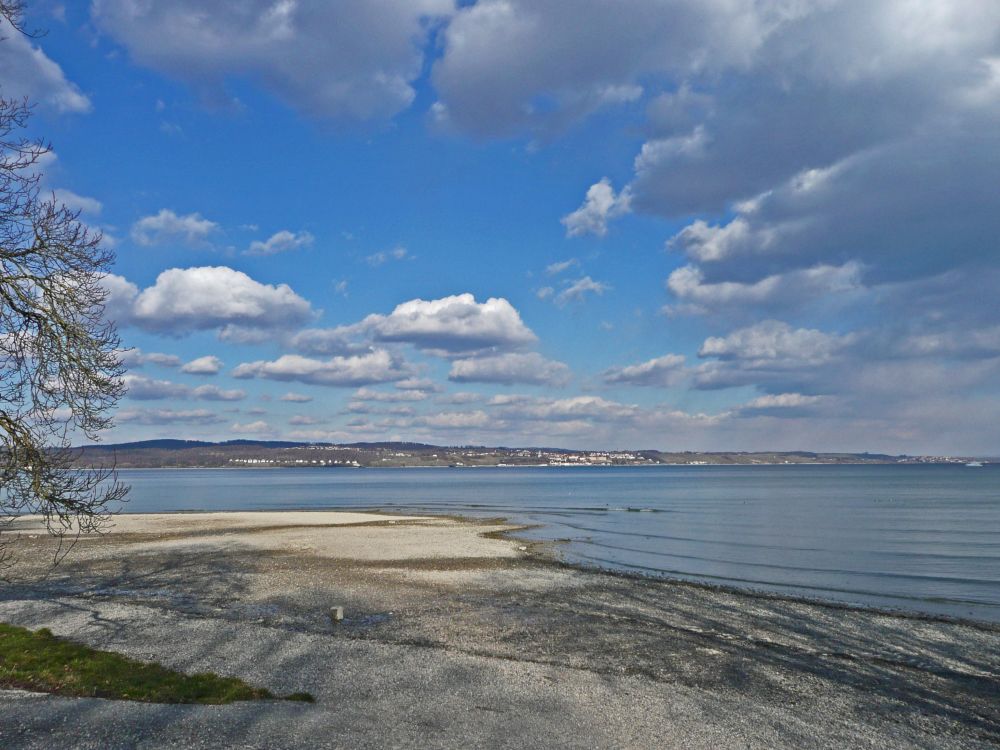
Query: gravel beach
[(457, 635)]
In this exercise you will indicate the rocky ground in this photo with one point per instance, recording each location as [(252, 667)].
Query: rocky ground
[(456, 636)]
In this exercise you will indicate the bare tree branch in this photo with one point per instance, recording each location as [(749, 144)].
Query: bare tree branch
[(60, 370)]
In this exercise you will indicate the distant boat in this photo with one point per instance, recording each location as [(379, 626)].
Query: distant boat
[(974, 464)]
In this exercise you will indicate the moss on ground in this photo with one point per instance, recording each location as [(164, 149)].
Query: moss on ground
[(40, 661)]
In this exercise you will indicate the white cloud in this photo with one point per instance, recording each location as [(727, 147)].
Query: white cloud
[(455, 420), (778, 358), (380, 258), (698, 296), (663, 372), (707, 243), (515, 64), (121, 297), (574, 408), (26, 71), (418, 384), (168, 416), (202, 298), (600, 205), (260, 427), (513, 367), (453, 324), (462, 397), (578, 290), (296, 398), (349, 60), (774, 341), (141, 388), (367, 394), (207, 365), (135, 358), (780, 404), (75, 202), (168, 227), (553, 269), (280, 242), (327, 341), (304, 420), (214, 393), (378, 366)]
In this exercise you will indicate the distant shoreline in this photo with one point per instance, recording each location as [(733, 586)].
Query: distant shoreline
[(545, 466)]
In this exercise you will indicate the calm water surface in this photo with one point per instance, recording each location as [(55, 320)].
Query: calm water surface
[(923, 538)]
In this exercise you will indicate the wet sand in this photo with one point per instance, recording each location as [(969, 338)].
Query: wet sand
[(456, 635)]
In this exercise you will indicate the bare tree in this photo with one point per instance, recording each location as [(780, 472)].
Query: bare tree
[(60, 369)]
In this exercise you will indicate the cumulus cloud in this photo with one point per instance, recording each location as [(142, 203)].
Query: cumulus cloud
[(775, 341), (121, 294), (328, 341), (574, 408), (280, 242), (513, 367), (453, 325), (26, 71), (168, 227), (515, 64), (203, 298), (706, 243), (352, 60), (207, 365), (141, 388), (600, 205), (662, 372), (697, 295), (776, 357), (378, 366)]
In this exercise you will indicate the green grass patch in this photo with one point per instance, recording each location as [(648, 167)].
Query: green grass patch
[(40, 661)]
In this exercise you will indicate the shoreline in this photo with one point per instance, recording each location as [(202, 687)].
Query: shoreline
[(534, 547), (956, 464), (457, 624)]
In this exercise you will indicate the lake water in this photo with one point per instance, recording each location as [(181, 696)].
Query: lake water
[(922, 538)]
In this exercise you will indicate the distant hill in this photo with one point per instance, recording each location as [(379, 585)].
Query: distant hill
[(168, 453)]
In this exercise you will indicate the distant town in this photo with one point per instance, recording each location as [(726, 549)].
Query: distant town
[(240, 454)]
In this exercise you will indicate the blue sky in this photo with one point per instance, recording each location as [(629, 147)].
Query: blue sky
[(672, 224)]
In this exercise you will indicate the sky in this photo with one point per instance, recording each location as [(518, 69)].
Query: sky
[(673, 224)]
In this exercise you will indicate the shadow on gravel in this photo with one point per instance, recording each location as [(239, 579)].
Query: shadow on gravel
[(765, 649), (945, 676)]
